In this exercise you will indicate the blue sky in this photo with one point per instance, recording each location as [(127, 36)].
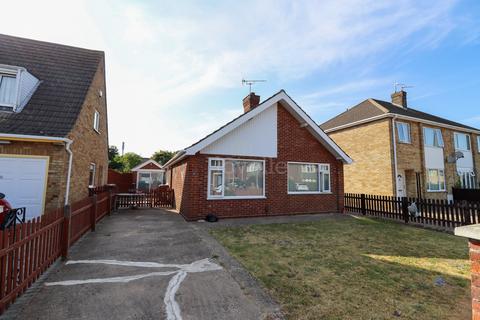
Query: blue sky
[(174, 69)]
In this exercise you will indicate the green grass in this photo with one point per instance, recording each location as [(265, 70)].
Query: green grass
[(356, 268)]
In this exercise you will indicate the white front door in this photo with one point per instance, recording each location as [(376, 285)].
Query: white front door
[(23, 181)]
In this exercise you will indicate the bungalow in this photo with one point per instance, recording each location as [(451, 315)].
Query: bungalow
[(272, 160), (53, 123)]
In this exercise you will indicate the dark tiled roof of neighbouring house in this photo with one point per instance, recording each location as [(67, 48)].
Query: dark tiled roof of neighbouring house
[(367, 109), (65, 75)]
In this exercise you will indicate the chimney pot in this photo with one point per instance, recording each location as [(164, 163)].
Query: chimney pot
[(400, 98), (250, 102)]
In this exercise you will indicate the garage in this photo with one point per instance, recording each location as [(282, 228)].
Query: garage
[(23, 180)]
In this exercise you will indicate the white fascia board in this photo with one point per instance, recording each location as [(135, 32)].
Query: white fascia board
[(148, 162), (356, 123), (281, 96), (6, 136), (176, 158)]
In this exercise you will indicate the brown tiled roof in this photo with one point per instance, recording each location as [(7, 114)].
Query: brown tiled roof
[(367, 109), (65, 73)]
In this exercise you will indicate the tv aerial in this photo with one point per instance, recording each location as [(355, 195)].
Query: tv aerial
[(249, 83), (401, 85)]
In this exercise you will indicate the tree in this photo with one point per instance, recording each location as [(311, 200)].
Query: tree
[(112, 152), (114, 159), (130, 160), (162, 156)]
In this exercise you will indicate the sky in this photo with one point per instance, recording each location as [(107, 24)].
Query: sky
[(174, 68)]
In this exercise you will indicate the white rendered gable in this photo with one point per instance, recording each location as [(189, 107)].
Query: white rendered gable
[(256, 137)]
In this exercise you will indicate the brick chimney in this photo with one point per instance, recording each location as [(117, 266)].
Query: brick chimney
[(251, 101), (400, 98)]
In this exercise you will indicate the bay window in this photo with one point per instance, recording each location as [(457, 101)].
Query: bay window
[(235, 178), (403, 130), (436, 180), (433, 137), (308, 178)]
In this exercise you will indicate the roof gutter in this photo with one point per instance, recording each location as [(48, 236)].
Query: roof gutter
[(179, 156), (47, 139)]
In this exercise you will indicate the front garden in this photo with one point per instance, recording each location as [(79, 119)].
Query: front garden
[(356, 268)]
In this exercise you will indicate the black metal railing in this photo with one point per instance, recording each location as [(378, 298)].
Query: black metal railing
[(12, 217)]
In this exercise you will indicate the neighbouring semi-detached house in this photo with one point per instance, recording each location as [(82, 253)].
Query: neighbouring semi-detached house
[(53, 123), (272, 160), (401, 151)]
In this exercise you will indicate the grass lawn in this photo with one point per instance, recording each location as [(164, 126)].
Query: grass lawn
[(356, 268)]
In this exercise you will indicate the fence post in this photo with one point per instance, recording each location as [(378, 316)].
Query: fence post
[(406, 215), (363, 204), (109, 208), (93, 212), (67, 215)]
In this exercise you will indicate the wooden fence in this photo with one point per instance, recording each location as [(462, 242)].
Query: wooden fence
[(28, 249), (435, 213), (159, 198)]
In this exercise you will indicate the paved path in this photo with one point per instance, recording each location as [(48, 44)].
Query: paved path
[(107, 276)]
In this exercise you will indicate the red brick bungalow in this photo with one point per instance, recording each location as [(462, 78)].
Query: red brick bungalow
[(272, 160)]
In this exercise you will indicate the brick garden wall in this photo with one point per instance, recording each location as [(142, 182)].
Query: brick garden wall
[(294, 144)]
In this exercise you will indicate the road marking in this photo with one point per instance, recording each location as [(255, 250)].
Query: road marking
[(171, 306)]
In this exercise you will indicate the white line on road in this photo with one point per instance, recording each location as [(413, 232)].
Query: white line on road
[(171, 306)]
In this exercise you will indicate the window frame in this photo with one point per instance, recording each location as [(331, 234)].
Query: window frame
[(319, 178), (222, 169), (442, 145), (11, 73), (444, 180), (478, 144), (92, 164), (409, 141), (471, 180), (96, 121), (469, 141)]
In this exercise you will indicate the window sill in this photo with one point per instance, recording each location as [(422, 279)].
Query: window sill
[(403, 142), (436, 191), (295, 193), (237, 198)]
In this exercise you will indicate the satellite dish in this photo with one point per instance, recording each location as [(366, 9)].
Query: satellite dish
[(455, 156)]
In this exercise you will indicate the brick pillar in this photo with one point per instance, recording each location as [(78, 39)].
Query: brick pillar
[(474, 246), (472, 232)]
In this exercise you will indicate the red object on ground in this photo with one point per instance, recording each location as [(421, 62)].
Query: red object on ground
[(4, 207)]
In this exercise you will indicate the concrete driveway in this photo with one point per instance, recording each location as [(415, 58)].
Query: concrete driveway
[(146, 264)]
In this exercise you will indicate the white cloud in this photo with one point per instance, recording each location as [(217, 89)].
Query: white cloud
[(164, 59)]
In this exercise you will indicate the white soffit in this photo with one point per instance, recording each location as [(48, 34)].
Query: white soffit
[(255, 138)]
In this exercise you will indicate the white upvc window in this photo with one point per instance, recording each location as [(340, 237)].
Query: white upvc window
[(462, 141), (478, 144), (96, 121), (436, 180), (91, 176), (236, 178), (433, 137), (8, 88), (467, 178), (403, 130), (308, 178)]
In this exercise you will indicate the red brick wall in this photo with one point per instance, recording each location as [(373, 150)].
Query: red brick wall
[(150, 166), (294, 144)]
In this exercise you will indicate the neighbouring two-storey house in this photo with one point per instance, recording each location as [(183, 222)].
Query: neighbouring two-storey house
[(401, 151), (53, 123)]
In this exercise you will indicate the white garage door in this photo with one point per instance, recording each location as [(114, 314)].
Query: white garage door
[(23, 181)]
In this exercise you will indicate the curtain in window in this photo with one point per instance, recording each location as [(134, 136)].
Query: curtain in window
[(7, 90)]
